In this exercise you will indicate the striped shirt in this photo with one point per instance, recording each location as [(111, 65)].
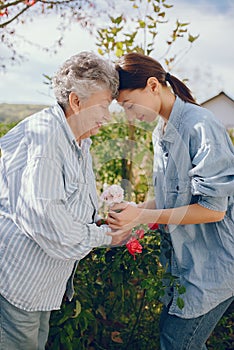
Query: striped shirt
[(48, 209)]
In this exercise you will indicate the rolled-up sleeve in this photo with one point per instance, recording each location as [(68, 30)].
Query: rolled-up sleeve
[(42, 212), (212, 175)]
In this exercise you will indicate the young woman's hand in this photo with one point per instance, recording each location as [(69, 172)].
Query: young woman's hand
[(124, 216)]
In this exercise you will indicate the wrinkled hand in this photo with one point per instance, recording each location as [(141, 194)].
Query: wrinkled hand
[(124, 216), (119, 237)]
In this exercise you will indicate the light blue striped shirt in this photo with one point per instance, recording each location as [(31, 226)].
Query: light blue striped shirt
[(48, 206)]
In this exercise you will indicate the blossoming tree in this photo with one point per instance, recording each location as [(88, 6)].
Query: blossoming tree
[(14, 13)]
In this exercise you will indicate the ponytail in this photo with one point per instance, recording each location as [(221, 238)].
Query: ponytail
[(179, 88), (135, 69)]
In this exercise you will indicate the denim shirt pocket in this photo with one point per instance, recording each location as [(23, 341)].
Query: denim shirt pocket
[(178, 193)]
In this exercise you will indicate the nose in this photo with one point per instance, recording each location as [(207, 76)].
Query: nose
[(129, 115)]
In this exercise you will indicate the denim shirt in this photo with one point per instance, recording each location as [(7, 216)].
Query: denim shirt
[(194, 163)]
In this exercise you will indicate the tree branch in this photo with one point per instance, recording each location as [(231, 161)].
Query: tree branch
[(9, 4), (2, 25), (56, 2)]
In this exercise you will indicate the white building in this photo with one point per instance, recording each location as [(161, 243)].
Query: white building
[(222, 106)]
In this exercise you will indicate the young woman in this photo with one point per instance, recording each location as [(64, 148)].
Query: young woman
[(194, 199)]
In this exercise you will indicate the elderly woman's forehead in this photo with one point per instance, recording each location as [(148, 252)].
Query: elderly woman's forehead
[(105, 94)]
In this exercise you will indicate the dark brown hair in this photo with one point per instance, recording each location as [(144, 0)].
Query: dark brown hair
[(135, 69)]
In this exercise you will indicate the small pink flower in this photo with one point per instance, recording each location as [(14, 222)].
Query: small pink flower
[(140, 233), (153, 226), (134, 246), (112, 194)]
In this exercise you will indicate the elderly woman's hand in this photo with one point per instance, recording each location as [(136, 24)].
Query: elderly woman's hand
[(124, 216), (119, 237)]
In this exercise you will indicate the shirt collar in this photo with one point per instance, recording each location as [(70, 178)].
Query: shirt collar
[(174, 122), (60, 115)]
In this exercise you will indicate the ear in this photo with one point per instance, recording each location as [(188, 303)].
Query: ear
[(153, 84), (74, 102)]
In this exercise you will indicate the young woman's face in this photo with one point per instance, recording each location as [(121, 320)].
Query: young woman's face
[(141, 104)]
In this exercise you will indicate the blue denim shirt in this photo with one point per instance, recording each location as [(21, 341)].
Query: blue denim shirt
[(194, 163)]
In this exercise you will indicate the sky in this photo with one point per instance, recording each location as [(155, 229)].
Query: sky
[(209, 64)]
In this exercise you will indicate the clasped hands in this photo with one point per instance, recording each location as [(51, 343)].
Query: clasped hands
[(121, 219)]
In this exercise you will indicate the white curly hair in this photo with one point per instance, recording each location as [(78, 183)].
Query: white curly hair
[(84, 74)]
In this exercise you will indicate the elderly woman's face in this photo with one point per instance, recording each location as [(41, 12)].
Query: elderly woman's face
[(90, 114)]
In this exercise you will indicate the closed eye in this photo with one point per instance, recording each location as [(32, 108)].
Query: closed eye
[(128, 106)]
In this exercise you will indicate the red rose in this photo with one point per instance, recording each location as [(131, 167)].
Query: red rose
[(140, 233), (134, 246), (153, 226)]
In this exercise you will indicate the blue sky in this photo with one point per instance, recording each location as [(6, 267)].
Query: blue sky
[(223, 6), (209, 65)]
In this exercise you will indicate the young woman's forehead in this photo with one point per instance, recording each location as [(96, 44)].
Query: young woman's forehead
[(125, 95)]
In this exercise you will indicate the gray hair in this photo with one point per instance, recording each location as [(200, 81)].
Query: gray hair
[(84, 74)]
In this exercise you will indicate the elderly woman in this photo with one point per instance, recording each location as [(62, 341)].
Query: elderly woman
[(48, 201)]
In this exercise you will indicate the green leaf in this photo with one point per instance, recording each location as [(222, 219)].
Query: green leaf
[(63, 319), (180, 303), (116, 20), (181, 290), (183, 24), (167, 6), (83, 322), (100, 51), (141, 23), (112, 19), (114, 31), (77, 309), (153, 33), (192, 38), (156, 8), (47, 76), (119, 45), (148, 51), (119, 19), (119, 52)]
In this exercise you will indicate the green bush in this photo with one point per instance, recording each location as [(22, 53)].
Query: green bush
[(116, 302)]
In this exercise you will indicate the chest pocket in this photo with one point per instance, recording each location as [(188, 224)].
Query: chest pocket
[(178, 193), (79, 202)]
